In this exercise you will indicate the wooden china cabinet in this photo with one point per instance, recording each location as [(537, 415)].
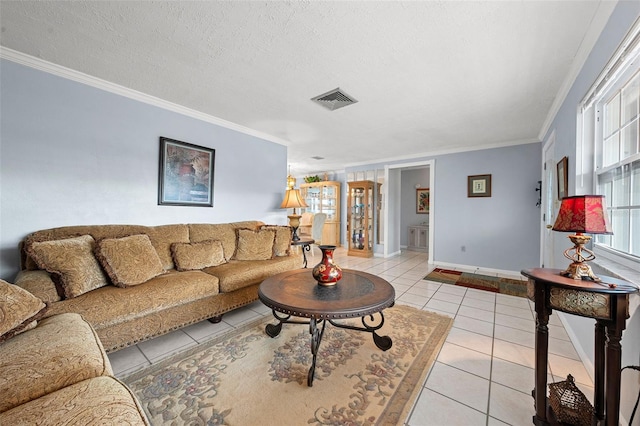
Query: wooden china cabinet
[(361, 217), (324, 197)]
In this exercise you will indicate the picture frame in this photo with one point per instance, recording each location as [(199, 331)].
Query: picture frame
[(185, 174), (563, 177), (478, 186), (422, 200)]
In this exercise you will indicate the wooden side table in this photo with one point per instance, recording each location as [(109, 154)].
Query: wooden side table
[(609, 306), (306, 246)]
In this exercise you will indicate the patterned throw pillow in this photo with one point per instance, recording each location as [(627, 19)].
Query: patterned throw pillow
[(254, 245), (72, 264), (190, 256), (129, 260), (19, 310), (282, 244)]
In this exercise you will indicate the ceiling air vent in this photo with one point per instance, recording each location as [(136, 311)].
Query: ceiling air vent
[(334, 99)]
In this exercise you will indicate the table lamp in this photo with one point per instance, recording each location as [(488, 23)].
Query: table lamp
[(581, 213), (293, 199)]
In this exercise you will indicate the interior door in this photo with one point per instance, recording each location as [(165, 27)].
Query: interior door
[(549, 197)]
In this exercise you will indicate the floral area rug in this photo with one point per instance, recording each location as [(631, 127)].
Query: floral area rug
[(248, 378), (480, 282)]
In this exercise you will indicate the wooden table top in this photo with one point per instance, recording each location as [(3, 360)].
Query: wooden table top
[(297, 293), (553, 277)]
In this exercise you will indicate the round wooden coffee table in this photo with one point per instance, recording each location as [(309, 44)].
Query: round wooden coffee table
[(357, 295)]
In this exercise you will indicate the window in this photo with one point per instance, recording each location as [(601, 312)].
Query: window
[(618, 167), (611, 126)]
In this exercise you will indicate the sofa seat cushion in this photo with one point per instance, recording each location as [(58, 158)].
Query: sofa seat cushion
[(60, 351), (237, 274), (102, 400), (110, 305)]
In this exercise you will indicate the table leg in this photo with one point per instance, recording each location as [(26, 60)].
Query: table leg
[(305, 248), (542, 347), (599, 360), (614, 359), (382, 342), (316, 338)]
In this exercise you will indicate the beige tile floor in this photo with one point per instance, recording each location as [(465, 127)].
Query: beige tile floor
[(484, 373)]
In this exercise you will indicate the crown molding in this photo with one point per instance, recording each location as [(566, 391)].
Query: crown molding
[(426, 155), (79, 77), (598, 23)]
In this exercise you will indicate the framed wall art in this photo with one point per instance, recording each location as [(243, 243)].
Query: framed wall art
[(479, 186), (422, 200), (186, 174), (563, 177)]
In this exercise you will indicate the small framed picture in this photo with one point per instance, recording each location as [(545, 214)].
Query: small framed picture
[(186, 174), (479, 186), (563, 178), (422, 200)]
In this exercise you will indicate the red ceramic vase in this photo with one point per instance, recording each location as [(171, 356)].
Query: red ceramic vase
[(327, 272)]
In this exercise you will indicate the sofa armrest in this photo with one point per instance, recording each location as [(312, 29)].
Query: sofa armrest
[(38, 283)]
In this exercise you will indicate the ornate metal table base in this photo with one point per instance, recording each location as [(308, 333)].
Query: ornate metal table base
[(382, 342), (305, 248)]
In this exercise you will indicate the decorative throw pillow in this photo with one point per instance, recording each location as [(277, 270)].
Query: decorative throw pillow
[(129, 260), (254, 245), (190, 256), (19, 310), (72, 264), (282, 244)]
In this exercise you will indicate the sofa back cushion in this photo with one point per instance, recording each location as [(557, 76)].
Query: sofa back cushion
[(282, 244), (223, 232), (129, 260), (192, 256), (254, 245), (161, 237), (72, 264)]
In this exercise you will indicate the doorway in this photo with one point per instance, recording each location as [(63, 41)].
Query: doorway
[(392, 211), (549, 196)]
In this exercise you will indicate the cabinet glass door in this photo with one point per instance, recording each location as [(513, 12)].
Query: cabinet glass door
[(329, 202), (360, 215), (357, 218)]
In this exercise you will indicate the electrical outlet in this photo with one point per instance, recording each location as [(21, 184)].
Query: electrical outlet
[(463, 248)]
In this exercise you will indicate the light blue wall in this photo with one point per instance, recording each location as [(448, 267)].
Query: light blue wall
[(565, 125), (72, 154), (499, 232)]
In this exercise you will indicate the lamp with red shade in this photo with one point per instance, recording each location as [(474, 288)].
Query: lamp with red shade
[(581, 213)]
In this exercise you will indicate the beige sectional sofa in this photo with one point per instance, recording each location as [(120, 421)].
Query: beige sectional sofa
[(54, 371), (132, 282)]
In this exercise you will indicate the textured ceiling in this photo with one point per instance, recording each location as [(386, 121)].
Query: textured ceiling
[(429, 76)]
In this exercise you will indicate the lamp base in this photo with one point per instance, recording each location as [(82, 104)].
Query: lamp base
[(294, 222), (580, 271)]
